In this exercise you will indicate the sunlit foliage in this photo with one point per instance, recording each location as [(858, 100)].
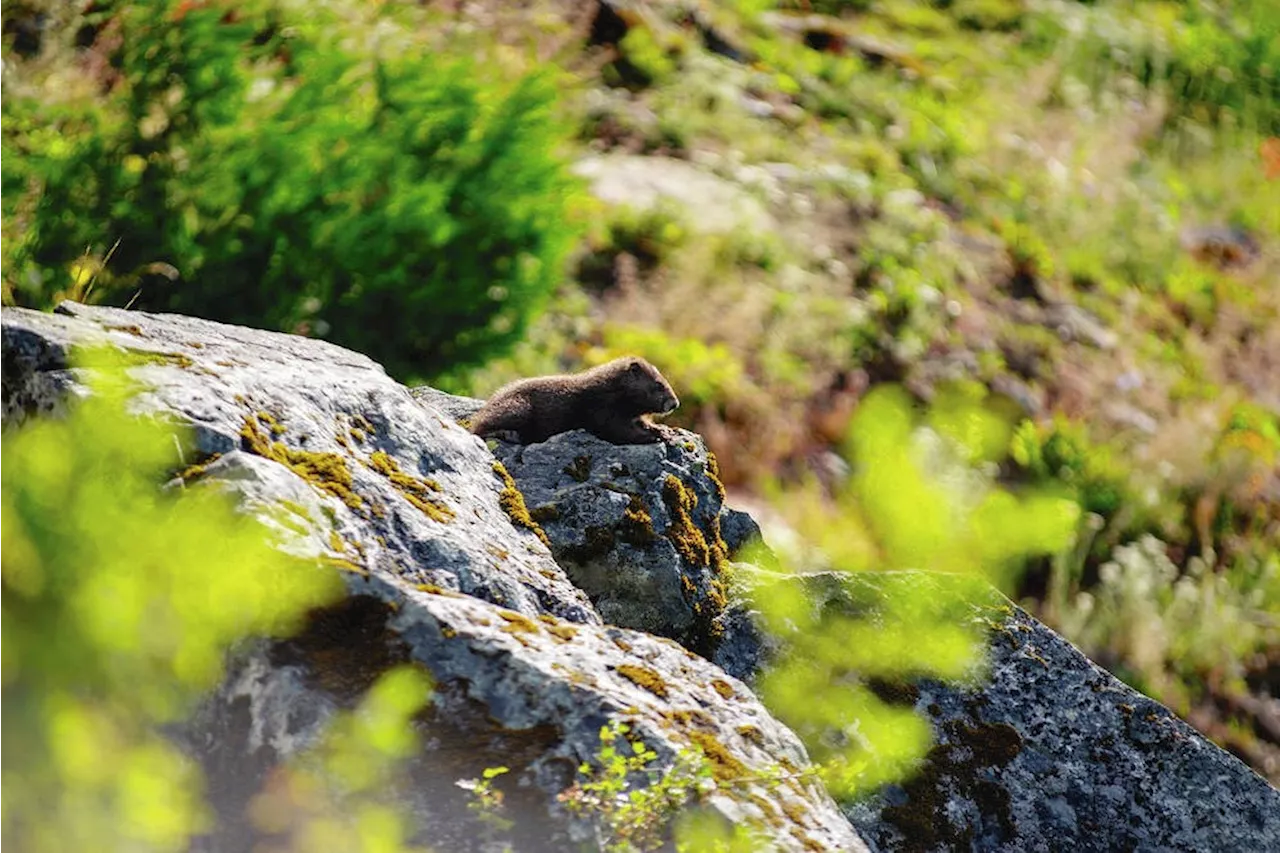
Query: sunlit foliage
[(917, 499), (319, 168), (119, 603), (337, 797)]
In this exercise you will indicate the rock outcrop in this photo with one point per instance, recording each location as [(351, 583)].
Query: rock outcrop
[(556, 588), (444, 567)]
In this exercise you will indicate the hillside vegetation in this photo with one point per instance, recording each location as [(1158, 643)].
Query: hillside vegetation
[(1068, 212)]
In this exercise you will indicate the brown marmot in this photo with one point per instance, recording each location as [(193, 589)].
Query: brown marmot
[(608, 401)]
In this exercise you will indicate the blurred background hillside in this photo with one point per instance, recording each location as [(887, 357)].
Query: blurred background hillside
[(1068, 212)]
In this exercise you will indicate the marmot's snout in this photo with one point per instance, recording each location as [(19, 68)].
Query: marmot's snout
[(670, 404)]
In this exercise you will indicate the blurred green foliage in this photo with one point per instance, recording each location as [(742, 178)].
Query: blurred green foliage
[(1215, 62), (1061, 452), (119, 603), (299, 167), (338, 795), (919, 498)]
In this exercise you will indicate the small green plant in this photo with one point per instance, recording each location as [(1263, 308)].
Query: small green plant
[(627, 817), (487, 803)]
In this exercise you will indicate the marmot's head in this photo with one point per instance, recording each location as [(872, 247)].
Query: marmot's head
[(644, 386)]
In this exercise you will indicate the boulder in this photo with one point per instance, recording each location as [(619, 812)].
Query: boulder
[(444, 567), (1043, 749), (637, 527)]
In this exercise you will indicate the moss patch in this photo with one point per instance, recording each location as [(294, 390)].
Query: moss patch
[(724, 766), (518, 623), (644, 677), (637, 524), (724, 688), (954, 769), (416, 490), (691, 718), (580, 468), (174, 359), (195, 472), (683, 533), (751, 734), (713, 474), (512, 503), (326, 471)]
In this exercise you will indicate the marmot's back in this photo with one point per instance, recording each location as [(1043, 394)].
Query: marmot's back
[(607, 401)]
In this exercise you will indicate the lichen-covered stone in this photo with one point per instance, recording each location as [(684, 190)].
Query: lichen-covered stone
[(343, 465), (636, 526), (1048, 751), (416, 498)]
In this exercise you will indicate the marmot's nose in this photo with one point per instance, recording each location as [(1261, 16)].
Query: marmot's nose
[(672, 404)]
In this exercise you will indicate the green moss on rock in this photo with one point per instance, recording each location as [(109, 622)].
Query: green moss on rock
[(647, 678), (416, 490), (724, 766), (512, 503), (326, 471)]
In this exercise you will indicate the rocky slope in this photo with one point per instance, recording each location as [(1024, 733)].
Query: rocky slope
[(556, 588)]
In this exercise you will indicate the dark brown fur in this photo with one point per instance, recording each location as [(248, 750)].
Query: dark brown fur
[(608, 401)]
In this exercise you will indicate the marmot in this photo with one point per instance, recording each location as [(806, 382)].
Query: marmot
[(607, 401)]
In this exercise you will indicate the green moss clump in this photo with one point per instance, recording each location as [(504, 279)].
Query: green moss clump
[(175, 359), (564, 633), (724, 766), (512, 503), (343, 564), (637, 525), (683, 533), (646, 678), (194, 472), (326, 471), (713, 474), (416, 490), (691, 718), (794, 810)]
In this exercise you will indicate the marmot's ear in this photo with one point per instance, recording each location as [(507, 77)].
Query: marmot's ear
[(635, 366)]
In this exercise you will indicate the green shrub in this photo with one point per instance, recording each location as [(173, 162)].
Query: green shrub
[(310, 168), (1062, 451)]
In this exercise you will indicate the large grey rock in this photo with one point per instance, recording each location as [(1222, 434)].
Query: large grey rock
[(389, 485), (1048, 752), (637, 527), (444, 569)]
